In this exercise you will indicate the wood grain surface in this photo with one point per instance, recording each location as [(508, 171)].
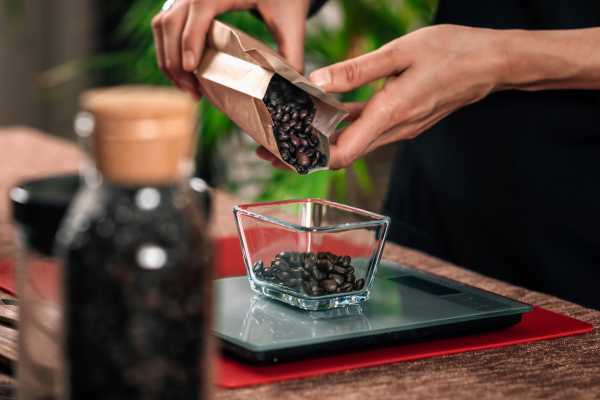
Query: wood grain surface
[(567, 368)]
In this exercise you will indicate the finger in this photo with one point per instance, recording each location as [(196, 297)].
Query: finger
[(265, 154), (287, 23), (291, 47), (189, 83), (388, 60), (172, 23), (354, 109), (382, 112), (198, 22), (280, 165), (158, 43)]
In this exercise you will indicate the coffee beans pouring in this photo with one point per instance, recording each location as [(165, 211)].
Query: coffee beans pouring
[(292, 111), (315, 274)]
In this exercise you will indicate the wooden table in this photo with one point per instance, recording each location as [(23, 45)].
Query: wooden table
[(567, 368)]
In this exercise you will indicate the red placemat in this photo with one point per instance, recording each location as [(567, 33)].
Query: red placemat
[(540, 324)]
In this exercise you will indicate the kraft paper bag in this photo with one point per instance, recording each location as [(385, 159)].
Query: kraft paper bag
[(234, 74)]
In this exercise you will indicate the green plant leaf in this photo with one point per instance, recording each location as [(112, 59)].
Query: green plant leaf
[(361, 172)]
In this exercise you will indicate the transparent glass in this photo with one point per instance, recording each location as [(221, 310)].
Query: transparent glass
[(40, 367), (312, 254)]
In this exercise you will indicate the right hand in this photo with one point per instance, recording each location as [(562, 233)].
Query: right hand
[(180, 33)]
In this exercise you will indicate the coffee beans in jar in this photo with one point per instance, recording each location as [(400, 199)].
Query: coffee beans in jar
[(292, 112), (314, 274), (137, 294)]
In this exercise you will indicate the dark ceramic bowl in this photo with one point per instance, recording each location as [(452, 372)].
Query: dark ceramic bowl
[(38, 207)]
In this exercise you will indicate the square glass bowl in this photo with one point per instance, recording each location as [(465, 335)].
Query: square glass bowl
[(312, 254)]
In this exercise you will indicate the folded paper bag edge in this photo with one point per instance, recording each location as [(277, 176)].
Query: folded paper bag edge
[(234, 73), (267, 58)]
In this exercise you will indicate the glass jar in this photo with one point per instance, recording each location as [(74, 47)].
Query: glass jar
[(136, 253), (310, 253), (38, 207)]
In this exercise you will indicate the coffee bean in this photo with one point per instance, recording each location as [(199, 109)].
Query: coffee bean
[(318, 274), (315, 162), (313, 273), (282, 275), (303, 159), (295, 140), (339, 270), (306, 274), (325, 265), (339, 279), (329, 285), (345, 261), (294, 282), (312, 288), (322, 160), (292, 111), (310, 258), (258, 266), (268, 272), (296, 272), (350, 278), (295, 259), (280, 264)]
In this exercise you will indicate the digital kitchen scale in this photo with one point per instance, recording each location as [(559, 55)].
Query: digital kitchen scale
[(405, 305)]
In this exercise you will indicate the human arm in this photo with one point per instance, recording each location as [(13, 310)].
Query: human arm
[(434, 71)]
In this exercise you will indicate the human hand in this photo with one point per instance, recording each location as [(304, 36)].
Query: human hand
[(180, 33), (429, 74)]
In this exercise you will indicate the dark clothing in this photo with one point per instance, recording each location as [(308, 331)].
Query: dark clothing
[(510, 186)]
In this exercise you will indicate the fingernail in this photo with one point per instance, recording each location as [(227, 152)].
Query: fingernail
[(321, 77), (189, 61)]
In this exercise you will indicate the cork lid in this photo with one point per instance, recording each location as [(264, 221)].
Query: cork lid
[(137, 101), (141, 134)]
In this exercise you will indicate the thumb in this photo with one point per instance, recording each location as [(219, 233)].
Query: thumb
[(355, 72)]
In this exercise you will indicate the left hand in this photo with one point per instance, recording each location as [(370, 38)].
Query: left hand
[(429, 74)]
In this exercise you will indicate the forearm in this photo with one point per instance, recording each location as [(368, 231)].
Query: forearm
[(559, 59)]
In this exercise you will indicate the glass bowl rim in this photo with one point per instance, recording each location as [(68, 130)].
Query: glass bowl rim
[(377, 219)]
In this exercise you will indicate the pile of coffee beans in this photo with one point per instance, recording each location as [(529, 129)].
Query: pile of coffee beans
[(315, 274), (137, 296), (292, 111)]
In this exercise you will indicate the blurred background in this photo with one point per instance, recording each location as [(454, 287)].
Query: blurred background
[(52, 50)]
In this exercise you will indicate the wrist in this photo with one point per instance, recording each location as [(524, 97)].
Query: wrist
[(501, 56), (537, 60)]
